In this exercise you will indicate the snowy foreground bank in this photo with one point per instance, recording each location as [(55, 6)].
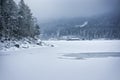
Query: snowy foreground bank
[(14, 45), (67, 60)]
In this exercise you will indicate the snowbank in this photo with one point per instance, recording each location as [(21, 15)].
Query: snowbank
[(13, 45)]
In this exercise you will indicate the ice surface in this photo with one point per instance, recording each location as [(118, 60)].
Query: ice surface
[(83, 56), (44, 63)]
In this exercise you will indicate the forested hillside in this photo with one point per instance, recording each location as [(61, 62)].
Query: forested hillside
[(16, 21), (105, 26)]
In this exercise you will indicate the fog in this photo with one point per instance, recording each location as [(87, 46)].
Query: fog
[(54, 9)]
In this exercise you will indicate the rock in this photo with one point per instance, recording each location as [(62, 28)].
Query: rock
[(2, 41), (52, 45), (17, 45), (39, 43)]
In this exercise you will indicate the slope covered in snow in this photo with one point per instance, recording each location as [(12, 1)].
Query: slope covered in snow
[(48, 63)]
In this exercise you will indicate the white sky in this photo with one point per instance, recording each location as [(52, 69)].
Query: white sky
[(50, 9)]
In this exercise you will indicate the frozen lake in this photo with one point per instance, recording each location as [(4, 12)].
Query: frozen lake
[(68, 60)]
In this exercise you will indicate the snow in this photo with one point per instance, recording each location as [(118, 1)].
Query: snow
[(25, 43), (86, 46), (46, 63), (83, 25)]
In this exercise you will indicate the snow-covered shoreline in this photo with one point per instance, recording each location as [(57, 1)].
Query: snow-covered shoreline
[(88, 46), (63, 46), (26, 43)]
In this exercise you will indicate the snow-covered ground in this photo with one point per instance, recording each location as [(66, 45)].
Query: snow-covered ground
[(14, 45), (49, 63)]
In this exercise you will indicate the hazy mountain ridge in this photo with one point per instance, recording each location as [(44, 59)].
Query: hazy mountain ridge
[(104, 26)]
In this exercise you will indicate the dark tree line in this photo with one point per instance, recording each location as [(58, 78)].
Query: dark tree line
[(16, 21), (104, 26)]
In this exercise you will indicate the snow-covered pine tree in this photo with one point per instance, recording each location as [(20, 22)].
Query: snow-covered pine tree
[(27, 24), (16, 21), (8, 18), (0, 21)]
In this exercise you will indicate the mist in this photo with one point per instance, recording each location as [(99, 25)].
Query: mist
[(55, 9)]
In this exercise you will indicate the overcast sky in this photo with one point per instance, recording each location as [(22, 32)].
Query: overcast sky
[(50, 9)]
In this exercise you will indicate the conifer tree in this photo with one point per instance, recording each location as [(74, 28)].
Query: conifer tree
[(26, 20), (8, 17), (16, 21)]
